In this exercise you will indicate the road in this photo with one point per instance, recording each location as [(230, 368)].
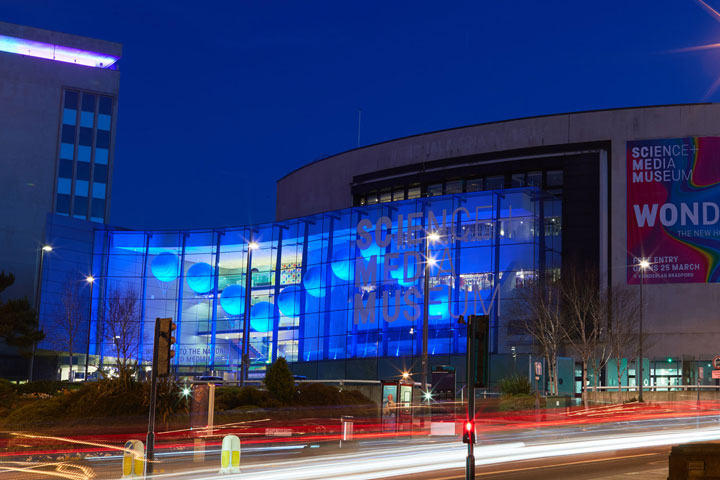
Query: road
[(638, 464), (637, 449)]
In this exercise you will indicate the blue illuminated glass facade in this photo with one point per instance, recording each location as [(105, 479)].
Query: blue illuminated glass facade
[(338, 294)]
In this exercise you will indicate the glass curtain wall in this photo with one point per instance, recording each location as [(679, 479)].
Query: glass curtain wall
[(338, 288)]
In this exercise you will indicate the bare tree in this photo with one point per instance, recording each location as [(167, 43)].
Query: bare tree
[(69, 321), (538, 310), (623, 311), (585, 322), (121, 325)]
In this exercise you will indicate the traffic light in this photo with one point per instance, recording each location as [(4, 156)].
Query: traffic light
[(164, 341), (469, 432), (478, 335)]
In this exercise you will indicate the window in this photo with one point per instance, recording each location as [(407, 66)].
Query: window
[(554, 178), (80, 206), (71, 99), (67, 151), (98, 208), (474, 185), (534, 179), (434, 190), (81, 187), (101, 173), (518, 180), (101, 156), (69, 116), (495, 183), (86, 135), (98, 190), (68, 134), (398, 194), (86, 120), (105, 107), (453, 187), (64, 186), (83, 171), (385, 197), (88, 102), (66, 168), (62, 204), (84, 153), (372, 198), (414, 192), (103, 139)]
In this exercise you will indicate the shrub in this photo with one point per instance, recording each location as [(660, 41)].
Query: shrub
[(47, 387), (518, 402), (229, 398), (318, 394), (515, 385), (279, 381), (7, 393)]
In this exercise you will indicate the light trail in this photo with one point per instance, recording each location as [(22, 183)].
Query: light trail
[(445, 456)]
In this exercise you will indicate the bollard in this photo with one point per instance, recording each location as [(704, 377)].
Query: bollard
[(133, 465), (347, 429), (230, 455)]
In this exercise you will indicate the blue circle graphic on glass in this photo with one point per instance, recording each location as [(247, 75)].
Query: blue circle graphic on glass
[(439, 302), (341, 265), (261, 316), (313, 282), (200, 277), (165, 267), (233, 299), (371, 250), (405, 277), (289, 301)]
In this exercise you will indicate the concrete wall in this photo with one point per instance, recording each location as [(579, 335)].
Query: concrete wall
[(30, 116), (680, 319)]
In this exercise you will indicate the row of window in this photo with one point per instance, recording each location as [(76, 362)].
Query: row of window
[(550, 179), (84, 152)]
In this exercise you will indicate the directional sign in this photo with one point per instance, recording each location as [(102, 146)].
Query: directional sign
[(716, 362), (716, 374)]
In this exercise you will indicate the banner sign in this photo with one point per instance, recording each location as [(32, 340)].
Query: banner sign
[(673, 216)]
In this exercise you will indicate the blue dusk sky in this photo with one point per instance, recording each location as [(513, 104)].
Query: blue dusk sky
[(218, 100)]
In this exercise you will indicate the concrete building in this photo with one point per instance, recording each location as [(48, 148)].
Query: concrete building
[(58, 110), (600, 192)]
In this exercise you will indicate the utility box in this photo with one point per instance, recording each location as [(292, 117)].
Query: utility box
[(694, 461)]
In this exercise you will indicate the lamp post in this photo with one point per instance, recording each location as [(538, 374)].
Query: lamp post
[(91, 281), (245, 360), (644, 264), (38, 290), (430, 237)]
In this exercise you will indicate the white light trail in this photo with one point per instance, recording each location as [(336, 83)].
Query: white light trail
[(374, 464)]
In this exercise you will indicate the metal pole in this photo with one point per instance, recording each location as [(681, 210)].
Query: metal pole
[(640, 362), (37, 311), (87, 349), (470, 356), (150, 440), (245, 360), (426, 313)]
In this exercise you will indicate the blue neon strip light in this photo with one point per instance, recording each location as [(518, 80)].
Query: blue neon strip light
[(58, 53)]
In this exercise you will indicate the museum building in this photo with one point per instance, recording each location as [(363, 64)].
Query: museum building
[(469, 215)]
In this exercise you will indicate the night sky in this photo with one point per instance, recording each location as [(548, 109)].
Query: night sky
[(218, 100)]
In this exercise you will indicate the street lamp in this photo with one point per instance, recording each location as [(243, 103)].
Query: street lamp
[(91, 281), (45, 249), (429, 261), (245, 360), (644, 265)]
